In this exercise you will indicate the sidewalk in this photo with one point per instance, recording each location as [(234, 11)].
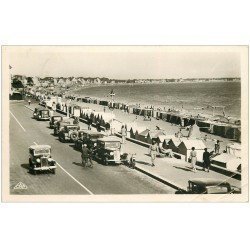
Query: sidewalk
[(170, 171)]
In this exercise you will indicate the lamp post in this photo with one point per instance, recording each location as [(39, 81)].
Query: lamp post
[(112, 94)]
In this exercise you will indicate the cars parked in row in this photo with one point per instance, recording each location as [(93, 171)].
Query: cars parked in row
[(54, 119), (60, 124), (68, 133), (87, 137), (40, 159), (41, 114), (108, 150)]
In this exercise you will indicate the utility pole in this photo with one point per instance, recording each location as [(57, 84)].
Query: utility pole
[(112, 94)]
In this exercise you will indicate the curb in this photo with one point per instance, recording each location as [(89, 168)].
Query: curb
[(160, 179)]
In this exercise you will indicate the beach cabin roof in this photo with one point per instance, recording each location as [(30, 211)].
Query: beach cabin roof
[(175, 141), (198, 144), (234, 149), (231, 161), (145, 132), (106, 117), (162, 138), (140, 129)]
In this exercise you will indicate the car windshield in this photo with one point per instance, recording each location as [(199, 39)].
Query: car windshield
[(112, 144), (44, 112), (42, 151), (72, 128)]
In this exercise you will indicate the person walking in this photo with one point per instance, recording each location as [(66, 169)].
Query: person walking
[(153, 151), (193, 157), (89, 123), (124, 134), (206, 160), (86, 156), (217, 147), (29, 101)]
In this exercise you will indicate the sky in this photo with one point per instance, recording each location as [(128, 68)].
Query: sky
[(124, 63)]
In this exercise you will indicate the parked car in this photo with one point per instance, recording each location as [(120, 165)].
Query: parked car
[(211, 186), (108, 150), (60, 124), (41, 114), (40, 159), (54, 119), (87, 137), (68, 133)]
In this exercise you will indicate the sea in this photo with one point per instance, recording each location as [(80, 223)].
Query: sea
[(196, 98)]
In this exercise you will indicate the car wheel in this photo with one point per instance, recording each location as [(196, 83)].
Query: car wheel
[(34, 172), (53, 171)]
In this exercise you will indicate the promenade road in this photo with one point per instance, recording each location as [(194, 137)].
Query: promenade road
[(70, 177)]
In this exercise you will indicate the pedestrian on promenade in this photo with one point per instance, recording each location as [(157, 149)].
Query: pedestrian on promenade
[(29, 101), (107, 127), (153, 151), (206, 160), (89, 123), (193, 158), (124, 134), (217, 147)]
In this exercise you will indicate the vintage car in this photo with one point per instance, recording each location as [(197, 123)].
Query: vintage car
[(40, 159), (211, 186), (54, 119), (108, 150), (60, 124), (87, 137), (41, 114), (68, 133)]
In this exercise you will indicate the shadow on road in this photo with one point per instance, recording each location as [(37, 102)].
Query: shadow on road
[(184, 168), (26, 166), (143, 162), (77, 164)]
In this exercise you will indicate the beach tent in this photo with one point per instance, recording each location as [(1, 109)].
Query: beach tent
[(139, 130), (226, 160), (234, 149), (143, 136), (194, 132), (186, 145), (174, 144)]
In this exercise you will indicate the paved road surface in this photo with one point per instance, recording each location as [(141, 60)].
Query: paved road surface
[(70, 177)]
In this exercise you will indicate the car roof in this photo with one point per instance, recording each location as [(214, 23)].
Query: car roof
[(208, 181), (71, 125), (109, 139), (39, 147)]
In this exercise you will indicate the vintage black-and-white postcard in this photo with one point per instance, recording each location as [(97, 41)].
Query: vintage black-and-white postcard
[(125, 123)]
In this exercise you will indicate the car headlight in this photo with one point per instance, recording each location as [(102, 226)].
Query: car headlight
[(39, 116), (50, 159), (38, 160), (111, 153)]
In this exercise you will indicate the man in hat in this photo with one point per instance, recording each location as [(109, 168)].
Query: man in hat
[(206, 160)]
